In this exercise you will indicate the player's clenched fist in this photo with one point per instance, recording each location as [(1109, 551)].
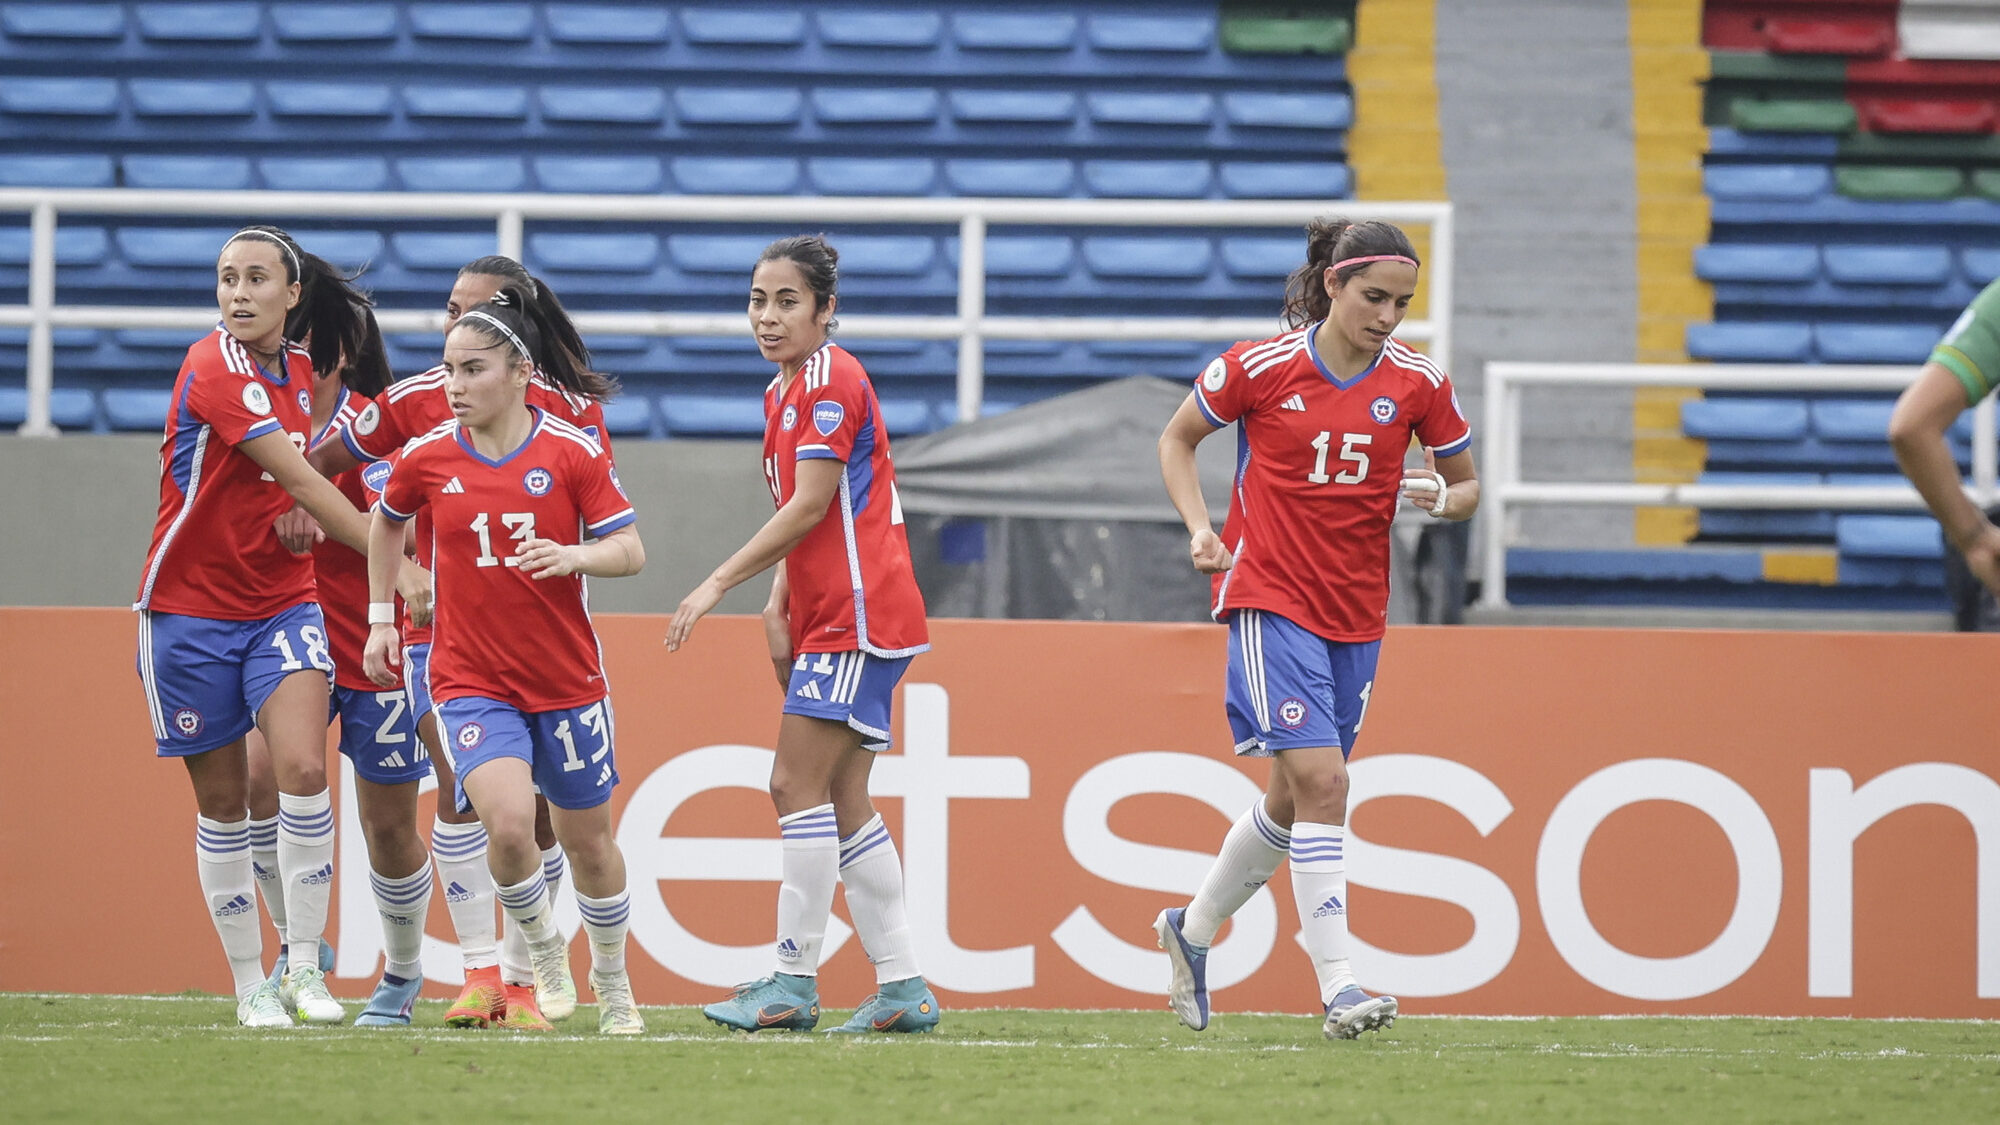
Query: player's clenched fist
[(1208, 553)]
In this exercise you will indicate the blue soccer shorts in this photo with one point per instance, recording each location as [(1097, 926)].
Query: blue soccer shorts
[(378, 735), (205, 679), (568, 751), (1290, 688), (417, 680), (854, 688)]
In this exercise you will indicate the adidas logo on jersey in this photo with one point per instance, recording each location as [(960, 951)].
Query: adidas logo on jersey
[(810, 689), (788, 950), (457, 893), (455, 486), (234, 907), (393, 762), (1330, 908), (319, 878), (1296, 402)]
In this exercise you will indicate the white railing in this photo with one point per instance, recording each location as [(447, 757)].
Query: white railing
[(970, 325), (1502, 489)]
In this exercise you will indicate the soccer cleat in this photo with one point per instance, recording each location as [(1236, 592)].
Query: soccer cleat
[(481, 1002), (555, 989), (305, 994), (262, 1008), (1187, 994), (617, 1012), (521, 1013), (277, 977), (782, 1001), (905, 1006), (390, 1005), (1354, 1011)]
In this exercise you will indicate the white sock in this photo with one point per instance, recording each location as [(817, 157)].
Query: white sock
[(527, 903), (405, 905), (516, 963), (229, 892), (606, 920), (305, 861), (805, 898), (459, 851), (264, 865), (1251, 851), (873, 874), (1319, 887)]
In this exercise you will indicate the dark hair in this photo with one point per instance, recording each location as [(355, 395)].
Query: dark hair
[(563, 330), (539, 324), (1335, 240), (500, 265), (819, 264), (332, 316)]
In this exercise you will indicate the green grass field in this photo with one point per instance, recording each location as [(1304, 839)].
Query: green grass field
[(91, 1058)]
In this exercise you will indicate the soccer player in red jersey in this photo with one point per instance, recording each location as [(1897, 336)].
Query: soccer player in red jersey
[(230, 635), (844, 618), (499, 975), (1325, 414), (515, 668)]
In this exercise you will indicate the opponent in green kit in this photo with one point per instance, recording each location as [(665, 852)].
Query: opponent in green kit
[(1962, 369)]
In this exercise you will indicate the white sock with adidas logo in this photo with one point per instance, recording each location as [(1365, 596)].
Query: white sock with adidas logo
[(229, 890), (305, 862), (805, 897), (264, 865), (459, 851), (1319, 888), (404, 904)]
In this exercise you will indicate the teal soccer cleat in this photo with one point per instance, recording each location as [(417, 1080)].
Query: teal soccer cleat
[(900, 1006), (782, 1001), (1354, 1011), (390, 1005)]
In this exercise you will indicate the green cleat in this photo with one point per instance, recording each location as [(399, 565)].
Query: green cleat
[(782, 1001), (900, 1006)]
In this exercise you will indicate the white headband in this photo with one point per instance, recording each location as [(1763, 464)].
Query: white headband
[(504, 331), (298, 271)]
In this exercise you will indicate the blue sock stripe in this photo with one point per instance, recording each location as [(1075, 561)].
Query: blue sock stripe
[(1278, 837), (459, 846), (553, 869), (811, 825), (401, 898), (526, 895), (610, 916), (264, 833), (207, 848), (1299, 853), (307, 826), (230, 839), (853, 855)]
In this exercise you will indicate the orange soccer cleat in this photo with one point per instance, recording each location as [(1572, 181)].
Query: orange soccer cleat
[(482, 1003), (521, 1013)]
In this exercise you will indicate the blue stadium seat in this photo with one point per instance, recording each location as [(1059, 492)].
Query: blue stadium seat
[(1175, 34), (75, 246), (629, 415), (171, 247), (1180, 109), (742, 105), (1889, 537), (1772, 262), (1851, 419), (1767, 181), (1024, 176), (617, 343), (699, 415), (1143, 256), (135, 409), (744, 27), (462, 173), (879, 29), (736, 175), (433, 250), (1744, 419), (348, 249), (1270, 179), (213, 173), (604, 253), (638, 175), (1029, 107), (477, 103), (63, 21), (71, 408), (1764, 524), (715, 253), (604, 24), (325, 173), (172, 340), (1873, 343), (886, 255), (1147, 179), (905, 105), (1261, 256), (81, 170), (500, 23), (1750, 341), (610, 105), (1982, 264), (1288, 111), (870, 175), (330, 99), (193, 97), (1888, 265), (1010, 31), (907, 417), (1725, 142), (59, 97), (207, 23), (1021, 255), (334, 23)]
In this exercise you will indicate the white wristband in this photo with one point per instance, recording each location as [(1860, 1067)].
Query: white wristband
[(381, 613)]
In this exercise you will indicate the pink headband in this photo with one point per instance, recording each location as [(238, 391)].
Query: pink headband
[(1346, 262)]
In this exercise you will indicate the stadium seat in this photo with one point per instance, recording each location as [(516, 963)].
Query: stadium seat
[(1287, 111), (887, 255), (1982, 265), (63, 21), (1147, 179), (744, 26), (1021, 255), (325, 173), (70, 408), (1744, 419), (1889, 537), (1925, 115), (908, 105), (462, 173), (75, 245), (1766, 181), (1874, 182), (639, 175), (865, 175), (81, 170), (1762, 261), (715, 253), (348, 249), (1851, 419), (1024, 176), (334, 23), (1177, 109), (1020, 107), (1792, 115), (59, 97), (500, 23), (600, 253), (1162, 34), (1762, 524), (879, 29), (1873, 343), (137, 409), (1256, 34), (751, 105), (330, 99), (1270, 179), (171, 247), (1888, 265), (1750, 341), (608, 105), (432, 250), (1262, 257), (736, 175), (1011, 31), (1986, 182), (193, 97), (472, 103), (1861, 35), (906, 417), (608, 25), (629, 415), (207, 23), (1158, 257), (213, 173), (702, 415), (1724, 142)]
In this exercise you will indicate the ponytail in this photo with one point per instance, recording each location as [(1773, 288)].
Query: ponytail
[(332, 315), (1336, 240), (532, 325), (367, 371), (557, 327)]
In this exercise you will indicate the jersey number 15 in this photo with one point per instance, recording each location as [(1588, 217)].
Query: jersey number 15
[(1349, 451)]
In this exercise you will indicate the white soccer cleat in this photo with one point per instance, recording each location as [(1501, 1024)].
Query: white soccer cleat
[(262, 1009), (306, 995), (617, 1013), (555, 988), (1354, 1011)]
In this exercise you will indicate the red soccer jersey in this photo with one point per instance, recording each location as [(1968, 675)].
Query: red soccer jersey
[(500, 634), (342, 572), (852, 586), (1319, 469), (214, 552)]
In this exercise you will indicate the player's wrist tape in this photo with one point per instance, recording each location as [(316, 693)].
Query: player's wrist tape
[(381, 613), (1428, 482)]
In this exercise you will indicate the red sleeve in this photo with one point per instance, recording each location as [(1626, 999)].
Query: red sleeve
[(382, 427), (835, 414), (600, 498), (406, 490), (236, 406), (1442, 426), (1223, 391)]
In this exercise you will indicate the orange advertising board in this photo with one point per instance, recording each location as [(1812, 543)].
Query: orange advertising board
[(1545, 821)]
